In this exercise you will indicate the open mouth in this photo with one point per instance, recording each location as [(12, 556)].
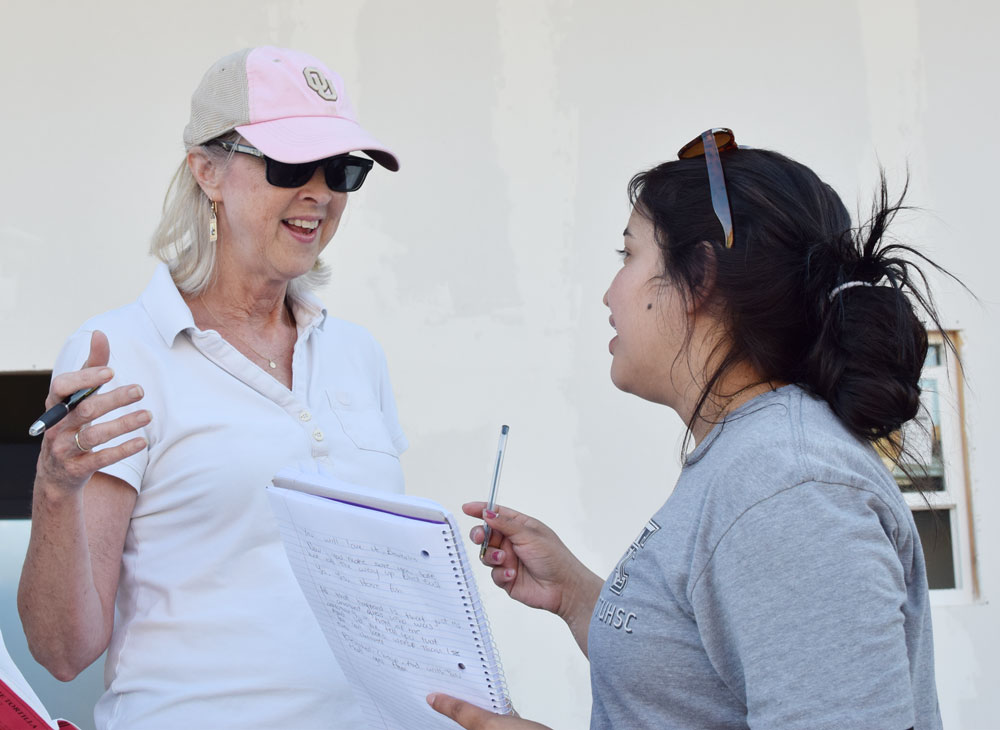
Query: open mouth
[(301, 226)]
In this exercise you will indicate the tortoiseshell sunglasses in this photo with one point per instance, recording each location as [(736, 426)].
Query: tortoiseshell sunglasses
[(709, 143)]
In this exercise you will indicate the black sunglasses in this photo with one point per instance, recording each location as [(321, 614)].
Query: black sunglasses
[(344, 173), (709, 144)]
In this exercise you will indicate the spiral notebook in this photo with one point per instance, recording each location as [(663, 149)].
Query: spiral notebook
[(390, 583)]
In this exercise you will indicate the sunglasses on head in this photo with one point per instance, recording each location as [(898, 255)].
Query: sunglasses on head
[(344, 173), (709, 144)]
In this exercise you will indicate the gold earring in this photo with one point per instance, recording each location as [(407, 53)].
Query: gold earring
[(213, 225)]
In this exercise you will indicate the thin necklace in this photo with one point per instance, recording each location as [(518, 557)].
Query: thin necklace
[(270, 360)]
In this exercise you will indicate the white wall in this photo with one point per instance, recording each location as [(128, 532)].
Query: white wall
[(481, 265)]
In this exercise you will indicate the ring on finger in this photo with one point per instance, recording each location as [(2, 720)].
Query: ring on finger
[(76, 438)]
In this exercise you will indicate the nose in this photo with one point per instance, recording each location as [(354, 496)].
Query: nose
[(317, 189), (605, 299)]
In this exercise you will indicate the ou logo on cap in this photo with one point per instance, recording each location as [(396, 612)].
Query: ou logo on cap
[(319, 83)]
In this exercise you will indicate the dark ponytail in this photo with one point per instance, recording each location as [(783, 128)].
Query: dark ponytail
[(805, 297), (870, 346)]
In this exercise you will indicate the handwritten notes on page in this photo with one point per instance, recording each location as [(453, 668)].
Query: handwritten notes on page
[(389, 582)]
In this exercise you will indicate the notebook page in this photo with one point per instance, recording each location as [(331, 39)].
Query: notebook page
[(389, 595)]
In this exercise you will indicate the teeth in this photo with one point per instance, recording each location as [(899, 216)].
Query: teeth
[(303, 224)]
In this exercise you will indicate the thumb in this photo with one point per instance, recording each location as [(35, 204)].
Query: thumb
[(468, 716), (513, 524), (100, 350)]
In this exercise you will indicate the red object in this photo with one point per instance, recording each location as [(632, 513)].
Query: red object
[(16, 714)]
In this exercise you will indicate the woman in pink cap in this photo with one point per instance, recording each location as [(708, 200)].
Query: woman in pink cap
[(151, 535)]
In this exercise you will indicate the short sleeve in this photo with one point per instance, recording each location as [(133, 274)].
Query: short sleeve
[(72, 357), (801, 612)]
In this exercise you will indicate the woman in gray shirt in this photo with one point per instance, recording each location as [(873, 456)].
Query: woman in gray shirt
[(782, 584)]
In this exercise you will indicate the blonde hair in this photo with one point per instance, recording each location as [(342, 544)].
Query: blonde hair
[(182, 242)]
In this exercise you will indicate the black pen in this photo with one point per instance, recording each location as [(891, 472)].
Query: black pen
[(58, 412)]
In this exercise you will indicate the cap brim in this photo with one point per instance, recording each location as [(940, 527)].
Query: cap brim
[(304, 139)]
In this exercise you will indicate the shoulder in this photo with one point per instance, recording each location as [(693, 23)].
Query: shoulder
[(787, 461), (351, 338), (153, 320), (782, 439), (126, 327), (337, 328), (131, 320)]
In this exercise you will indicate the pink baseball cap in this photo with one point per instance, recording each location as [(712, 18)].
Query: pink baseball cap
[(285, 103)]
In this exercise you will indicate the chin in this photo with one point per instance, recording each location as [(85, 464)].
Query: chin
[(638, 389), (619, 381)]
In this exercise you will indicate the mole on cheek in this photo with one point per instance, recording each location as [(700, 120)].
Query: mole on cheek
[(649, 306)]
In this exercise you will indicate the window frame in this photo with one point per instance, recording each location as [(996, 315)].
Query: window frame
[(956, 497)]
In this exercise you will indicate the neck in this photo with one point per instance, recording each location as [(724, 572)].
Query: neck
[(254, 304), (741, 385)]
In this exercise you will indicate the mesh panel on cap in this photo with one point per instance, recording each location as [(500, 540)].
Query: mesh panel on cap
[(220, 102)]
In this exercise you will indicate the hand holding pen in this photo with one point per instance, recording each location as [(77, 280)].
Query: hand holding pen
[(67, 459)]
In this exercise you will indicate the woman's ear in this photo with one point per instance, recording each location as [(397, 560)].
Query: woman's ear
[(704, 285), (207, 173)]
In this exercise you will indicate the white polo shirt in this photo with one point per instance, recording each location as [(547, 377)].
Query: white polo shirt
[(211, 629)]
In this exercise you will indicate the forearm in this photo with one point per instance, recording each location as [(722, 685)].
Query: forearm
[(580, 594), (64, 619)]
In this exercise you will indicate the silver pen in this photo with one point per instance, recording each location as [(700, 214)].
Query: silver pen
[(501, 448)]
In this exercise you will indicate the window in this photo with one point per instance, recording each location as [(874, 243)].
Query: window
[(23, 397), (937, 490)]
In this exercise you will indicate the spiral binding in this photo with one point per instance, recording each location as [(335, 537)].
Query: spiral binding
[(489, 659)]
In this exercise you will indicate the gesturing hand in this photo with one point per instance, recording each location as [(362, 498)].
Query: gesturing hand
[(66, 459), (532, 564)]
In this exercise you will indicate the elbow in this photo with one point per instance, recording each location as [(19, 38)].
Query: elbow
[(61, 660), (60, 654), (64, 672), (62, 664)]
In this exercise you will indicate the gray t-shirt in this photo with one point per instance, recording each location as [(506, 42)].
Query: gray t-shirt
[(782, 585)]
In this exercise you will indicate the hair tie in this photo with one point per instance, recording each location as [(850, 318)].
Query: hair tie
[(846, 285)]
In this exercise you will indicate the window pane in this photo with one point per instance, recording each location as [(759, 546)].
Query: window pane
[(933, 358), (922, 439), (23, 395), (934, 529)]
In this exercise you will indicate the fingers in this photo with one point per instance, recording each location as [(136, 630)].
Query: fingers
[(67, 467), (494, 556), (478, 533), (475, 718), (100, 350), (504, 576), (474, 509), (508, 528), (66, 384), (100, 404), (94, 372), (68, 458), (107, 457), (468, 716), (90, 437), (506, 520)]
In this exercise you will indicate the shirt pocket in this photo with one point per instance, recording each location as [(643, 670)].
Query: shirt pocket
[(363, 425)]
